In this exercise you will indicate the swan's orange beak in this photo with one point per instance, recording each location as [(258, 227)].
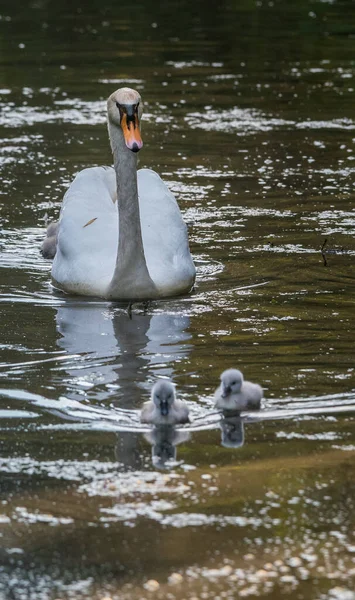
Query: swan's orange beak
[(131, 132)]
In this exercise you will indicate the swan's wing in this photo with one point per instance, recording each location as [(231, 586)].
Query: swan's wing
[(88, 233), (164, 234)]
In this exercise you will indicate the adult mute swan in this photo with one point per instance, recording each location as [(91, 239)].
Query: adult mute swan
[(121, 235), (163, 408), (235, 394)]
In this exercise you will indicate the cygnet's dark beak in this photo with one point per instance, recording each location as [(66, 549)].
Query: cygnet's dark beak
[(164, 408), (226, 390)]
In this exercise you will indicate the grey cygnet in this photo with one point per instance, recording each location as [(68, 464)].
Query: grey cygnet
[(235, 394), (163, 407)]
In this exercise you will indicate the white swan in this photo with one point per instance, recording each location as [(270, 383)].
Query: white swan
[(235, 394), (163, 408), (121, 234)]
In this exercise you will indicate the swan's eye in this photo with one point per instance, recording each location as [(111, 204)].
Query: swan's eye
[(233, 382), (157, 397), (118, 105)]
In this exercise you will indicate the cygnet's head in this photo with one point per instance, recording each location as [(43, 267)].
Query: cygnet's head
[(124, 109), (163, 396), (231, 382)]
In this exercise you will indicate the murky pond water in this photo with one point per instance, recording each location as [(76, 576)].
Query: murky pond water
[(250, 119)]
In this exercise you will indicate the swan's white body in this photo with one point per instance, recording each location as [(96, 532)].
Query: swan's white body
[(86, 255), (152, 260)]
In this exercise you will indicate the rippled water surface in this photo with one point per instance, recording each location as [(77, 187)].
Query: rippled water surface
[(250, 119)]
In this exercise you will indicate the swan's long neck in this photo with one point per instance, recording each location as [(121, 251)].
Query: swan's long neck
[(131, 279)]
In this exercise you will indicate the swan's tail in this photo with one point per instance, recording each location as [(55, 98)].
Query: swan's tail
[(49, 244)]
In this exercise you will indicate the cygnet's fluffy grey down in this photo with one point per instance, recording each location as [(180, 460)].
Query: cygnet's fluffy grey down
[(235, 394), (49, 244), (163, 408)]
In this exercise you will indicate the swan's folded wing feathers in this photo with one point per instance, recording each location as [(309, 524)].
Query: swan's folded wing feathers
[(164, 232), (88, 222)]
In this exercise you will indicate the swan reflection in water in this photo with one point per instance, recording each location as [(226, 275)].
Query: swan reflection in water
[(119, 357), (113, 360)]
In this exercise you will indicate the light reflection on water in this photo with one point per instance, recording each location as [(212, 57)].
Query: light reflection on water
[(251, 124)]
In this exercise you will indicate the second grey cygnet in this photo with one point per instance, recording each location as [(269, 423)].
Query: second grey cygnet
[(163, 408), (235, 394)]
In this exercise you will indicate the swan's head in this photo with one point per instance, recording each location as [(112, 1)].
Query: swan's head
[(163, 396), (124, 109), (231, 382)]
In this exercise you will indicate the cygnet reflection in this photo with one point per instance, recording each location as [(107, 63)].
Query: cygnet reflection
[(163, 407), (235, 394), (232, 427), (164, 439)]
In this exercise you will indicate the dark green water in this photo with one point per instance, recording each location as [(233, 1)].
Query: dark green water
[(250, 119)]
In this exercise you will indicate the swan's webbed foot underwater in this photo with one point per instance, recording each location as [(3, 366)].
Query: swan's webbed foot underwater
[(145, 305), (129, 309)]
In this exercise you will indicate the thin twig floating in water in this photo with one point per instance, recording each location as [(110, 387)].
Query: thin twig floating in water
[(323, 252), (341, 250)]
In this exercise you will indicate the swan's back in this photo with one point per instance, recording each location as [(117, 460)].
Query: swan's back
[(164, 233), (87, 237)]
